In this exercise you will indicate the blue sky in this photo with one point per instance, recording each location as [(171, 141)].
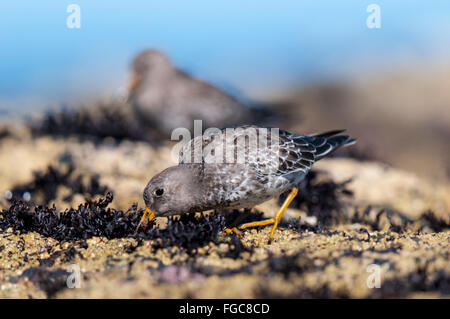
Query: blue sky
[(246, 46)]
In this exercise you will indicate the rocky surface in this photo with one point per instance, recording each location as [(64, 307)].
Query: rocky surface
[(353, 215)]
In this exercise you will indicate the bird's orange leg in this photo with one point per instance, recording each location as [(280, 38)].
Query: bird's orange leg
[(275, 220), (232, 228)]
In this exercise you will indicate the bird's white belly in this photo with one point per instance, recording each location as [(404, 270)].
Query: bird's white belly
[(248, 196)]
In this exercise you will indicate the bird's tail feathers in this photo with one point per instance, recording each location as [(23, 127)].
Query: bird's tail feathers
[(328, 142)]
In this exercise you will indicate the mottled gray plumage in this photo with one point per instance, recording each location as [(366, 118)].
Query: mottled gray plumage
[(167, 98), (276, 162)]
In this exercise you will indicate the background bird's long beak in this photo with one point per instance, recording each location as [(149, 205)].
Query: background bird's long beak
[(135, 80)]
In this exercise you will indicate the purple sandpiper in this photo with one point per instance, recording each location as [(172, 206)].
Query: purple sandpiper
[(238, 168), (166, 98)]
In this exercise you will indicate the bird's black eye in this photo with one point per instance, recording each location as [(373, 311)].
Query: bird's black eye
[(159, 192)]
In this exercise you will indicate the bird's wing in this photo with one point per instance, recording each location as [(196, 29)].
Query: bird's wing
[(296, 154), (267, 151), (299, 153), (229, 145)]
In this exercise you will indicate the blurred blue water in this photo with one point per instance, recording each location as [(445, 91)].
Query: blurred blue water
[(252, 46)]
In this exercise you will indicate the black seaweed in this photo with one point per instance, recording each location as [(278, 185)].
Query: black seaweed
[(421, 279), (95, 218), (107, 121), (50, 281), (44, 185), (4, 133), (399, 222)]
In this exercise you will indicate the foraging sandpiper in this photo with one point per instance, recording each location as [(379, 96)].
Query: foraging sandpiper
[(238, 168)]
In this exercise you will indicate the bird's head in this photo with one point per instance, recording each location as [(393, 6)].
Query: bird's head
[(150, 66), (173, 191), (150, 62)]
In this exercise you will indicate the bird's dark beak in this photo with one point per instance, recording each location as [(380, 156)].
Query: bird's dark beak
[(135, 80), (148, 214)]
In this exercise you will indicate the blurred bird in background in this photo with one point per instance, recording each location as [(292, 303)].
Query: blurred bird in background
[(165, 98)]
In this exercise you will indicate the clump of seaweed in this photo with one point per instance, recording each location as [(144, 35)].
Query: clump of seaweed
[(90, 219), (320, 199), (387, 218), (429, 219), (50, 281), (423, 278), (4, 132), (45, 184), (297, 263), (94, 123), (189, 231), (95, 218)]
